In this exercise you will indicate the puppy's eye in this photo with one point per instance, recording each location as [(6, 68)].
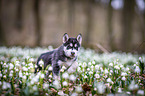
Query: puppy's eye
[(69, 47)]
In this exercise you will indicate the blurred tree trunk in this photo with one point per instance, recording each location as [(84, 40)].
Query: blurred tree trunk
[(109, 25), (37, 20), (71, 14), (127, 23), (89, 20)]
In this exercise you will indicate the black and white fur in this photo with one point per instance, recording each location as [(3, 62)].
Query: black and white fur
[(65, 55)]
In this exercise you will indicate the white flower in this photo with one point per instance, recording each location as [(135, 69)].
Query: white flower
[(4, 76), (64, 83), (42, 75), (133, 86), (20, 74), (31, 59), (65, 75), (56, 84), (123, 74), (24, 77), (140, 92), (74, 94), (34, 88), (6, 85), (88, 69), (61, 93), (1, 75), (11, 66), (101, 88), (10, 74), (50, 68), (45, 85), (41, 63), (79, 89), (110, 64), (117, 67), (97, 75), (109, 80), (72, 77), (85, 76), (25, 69), (123, 78), (119, 90), (137, 69), (106, 71), (91, 72), (0, 83), (97, 67)]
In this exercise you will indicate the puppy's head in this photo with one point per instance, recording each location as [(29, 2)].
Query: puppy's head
[(71, 45)]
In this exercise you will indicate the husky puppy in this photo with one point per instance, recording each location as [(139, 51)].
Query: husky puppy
[(65, 55)]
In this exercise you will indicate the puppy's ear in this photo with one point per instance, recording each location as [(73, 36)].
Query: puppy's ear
[(79, 38), (65, 38)]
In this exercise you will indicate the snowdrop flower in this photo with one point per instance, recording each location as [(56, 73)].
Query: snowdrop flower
[(123, 78), (50, 68), (36, 66), (41, 63), (56, 84), (128, 93), (60, 92), (65, 75), (111, 71), (133, 86), (109, 80), (140, 92), (64, 83), (85, 76), (31, 59), (11, 66), (50, 76), (6, 85), (4, 76), (91, 72), (88, 69), (84, 64), (79, 89), (24, 77), (117, 67), (110, 64), (42, 75), (45, 85), (34, 88), (24, 68), (10, 74), (26, 73), (74, 94), (123, 74), (101, 88), (119, 90), (1, 75), (106, 71), (79, 69), (137, 69), (72, 77), (97, 75), (20, 74), (97, 67)]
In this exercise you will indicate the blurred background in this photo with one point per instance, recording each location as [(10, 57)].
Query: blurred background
[(111, 25)]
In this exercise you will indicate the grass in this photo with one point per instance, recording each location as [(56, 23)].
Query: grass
[(97, 74)]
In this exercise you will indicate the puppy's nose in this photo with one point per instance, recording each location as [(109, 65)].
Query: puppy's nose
[(72, 53)]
